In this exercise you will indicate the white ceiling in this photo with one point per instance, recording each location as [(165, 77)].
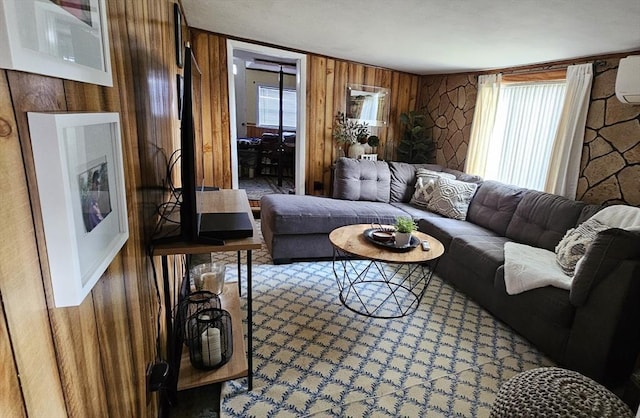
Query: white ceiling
[(429, 36)]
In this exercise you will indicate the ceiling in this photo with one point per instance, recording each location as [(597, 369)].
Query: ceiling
[(429, 36)]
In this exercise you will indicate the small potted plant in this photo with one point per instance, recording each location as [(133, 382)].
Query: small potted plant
[(404, 227)]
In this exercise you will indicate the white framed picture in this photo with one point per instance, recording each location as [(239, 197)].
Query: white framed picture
[(80, 175), (59, 38)]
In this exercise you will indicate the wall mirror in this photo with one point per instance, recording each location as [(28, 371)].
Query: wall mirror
[(368, 104)]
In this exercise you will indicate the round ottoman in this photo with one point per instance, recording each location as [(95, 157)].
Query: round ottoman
[(556, 392)]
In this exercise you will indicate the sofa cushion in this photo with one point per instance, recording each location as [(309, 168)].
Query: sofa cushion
[(541, 219), (426, 185), (298, 215), (403, 179), (451, 198), (549, 305), (415, 212), (494, 204), (605, 253), (444, 229), (462, 176), (480, 254), (361, 180)]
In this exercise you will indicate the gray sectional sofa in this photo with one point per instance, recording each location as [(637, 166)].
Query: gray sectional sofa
[(593, 327)]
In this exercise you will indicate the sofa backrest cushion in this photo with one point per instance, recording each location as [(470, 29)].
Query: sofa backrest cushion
[(541, 219), (603, 257), (494, 204), (403, 179), (361, 180), (462, 176)]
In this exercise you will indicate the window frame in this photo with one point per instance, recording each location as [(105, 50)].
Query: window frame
[(277, 88)]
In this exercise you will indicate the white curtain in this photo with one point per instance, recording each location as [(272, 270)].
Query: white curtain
[(564, 167), (484, 118)]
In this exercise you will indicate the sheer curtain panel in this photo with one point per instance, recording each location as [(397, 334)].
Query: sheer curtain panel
[(484, 118), (564, 167)]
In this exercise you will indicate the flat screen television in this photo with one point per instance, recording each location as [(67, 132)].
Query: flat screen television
[(206, 228)]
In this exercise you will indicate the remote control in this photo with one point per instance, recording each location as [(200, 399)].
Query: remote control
[(425, 245)]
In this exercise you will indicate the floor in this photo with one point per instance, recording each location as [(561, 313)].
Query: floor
[(257, 187), (202, 402)]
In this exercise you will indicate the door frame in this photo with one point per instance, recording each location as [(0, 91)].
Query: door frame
[(301, 93)]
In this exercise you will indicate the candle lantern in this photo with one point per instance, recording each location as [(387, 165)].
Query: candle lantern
[(191, 305), (210, 338)]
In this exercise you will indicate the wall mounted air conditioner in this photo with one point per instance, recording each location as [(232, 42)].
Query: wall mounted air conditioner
[(628, 80)]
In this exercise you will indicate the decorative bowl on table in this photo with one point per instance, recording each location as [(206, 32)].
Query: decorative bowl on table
[(383, 235)]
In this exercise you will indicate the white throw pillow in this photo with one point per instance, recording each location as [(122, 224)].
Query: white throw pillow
[(573, 246), (425, 185), (451, 198)]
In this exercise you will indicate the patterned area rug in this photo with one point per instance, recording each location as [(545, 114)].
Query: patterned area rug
[(314, 357)]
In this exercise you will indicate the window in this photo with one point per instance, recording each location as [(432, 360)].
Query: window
[(525, 127), (528, 129), (269, 107)]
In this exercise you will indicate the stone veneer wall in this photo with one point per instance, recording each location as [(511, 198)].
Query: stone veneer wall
[(449, 101), (610, 167)]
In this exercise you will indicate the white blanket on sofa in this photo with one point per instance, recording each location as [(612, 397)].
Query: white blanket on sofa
[(527, 268)]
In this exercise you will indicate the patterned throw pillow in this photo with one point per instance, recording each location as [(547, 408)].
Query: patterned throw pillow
[(574, 245), (425, 185), (451, 198)]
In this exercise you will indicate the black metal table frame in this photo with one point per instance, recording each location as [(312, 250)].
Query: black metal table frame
[(174, 341), (343, 263)]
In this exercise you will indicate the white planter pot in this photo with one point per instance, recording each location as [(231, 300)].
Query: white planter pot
[(403, 239), (356, 150)]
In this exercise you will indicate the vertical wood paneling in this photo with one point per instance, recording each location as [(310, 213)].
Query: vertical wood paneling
[(210, 52), (11, 403), (25, 282), (34, 354), (88, 360), (327, 79)]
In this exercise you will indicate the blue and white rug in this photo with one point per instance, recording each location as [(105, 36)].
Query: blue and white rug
[(314, 357)]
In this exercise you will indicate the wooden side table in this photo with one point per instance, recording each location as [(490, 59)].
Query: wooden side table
[(183, 375)]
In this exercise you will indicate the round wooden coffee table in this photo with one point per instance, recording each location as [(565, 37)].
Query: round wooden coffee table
[(379, 281)]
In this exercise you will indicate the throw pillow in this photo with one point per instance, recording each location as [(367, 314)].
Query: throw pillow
[(451, 198), (425, 185), (575, 242)]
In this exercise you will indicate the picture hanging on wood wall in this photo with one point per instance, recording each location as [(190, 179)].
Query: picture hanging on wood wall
[(80, 175), (60, 38), (177, 21)]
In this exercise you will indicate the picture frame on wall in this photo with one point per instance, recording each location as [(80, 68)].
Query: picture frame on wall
[(180, 92), (80, 177), (177, 21), (60, 38)]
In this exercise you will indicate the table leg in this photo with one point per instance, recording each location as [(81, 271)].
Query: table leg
[(249, 323), (239, 274)]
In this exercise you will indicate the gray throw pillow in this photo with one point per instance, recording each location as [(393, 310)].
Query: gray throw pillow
[(451, 198), (575, 242)]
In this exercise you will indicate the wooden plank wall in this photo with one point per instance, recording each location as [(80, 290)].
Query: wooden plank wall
[(90, 360), (327, 79)]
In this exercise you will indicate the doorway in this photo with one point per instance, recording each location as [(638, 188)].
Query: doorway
[(269, 157)]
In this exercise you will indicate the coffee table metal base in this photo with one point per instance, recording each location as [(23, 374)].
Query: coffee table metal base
[(381, 289)]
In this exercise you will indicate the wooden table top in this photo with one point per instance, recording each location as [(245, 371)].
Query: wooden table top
[(351, 239)]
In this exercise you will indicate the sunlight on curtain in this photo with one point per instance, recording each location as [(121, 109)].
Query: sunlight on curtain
[(564, 168), (525, 126), (483, 122)]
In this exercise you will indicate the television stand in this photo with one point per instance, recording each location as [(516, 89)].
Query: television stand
[(182, 375)]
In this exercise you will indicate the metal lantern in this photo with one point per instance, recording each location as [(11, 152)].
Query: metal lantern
[(191, 305), (209, 338)]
